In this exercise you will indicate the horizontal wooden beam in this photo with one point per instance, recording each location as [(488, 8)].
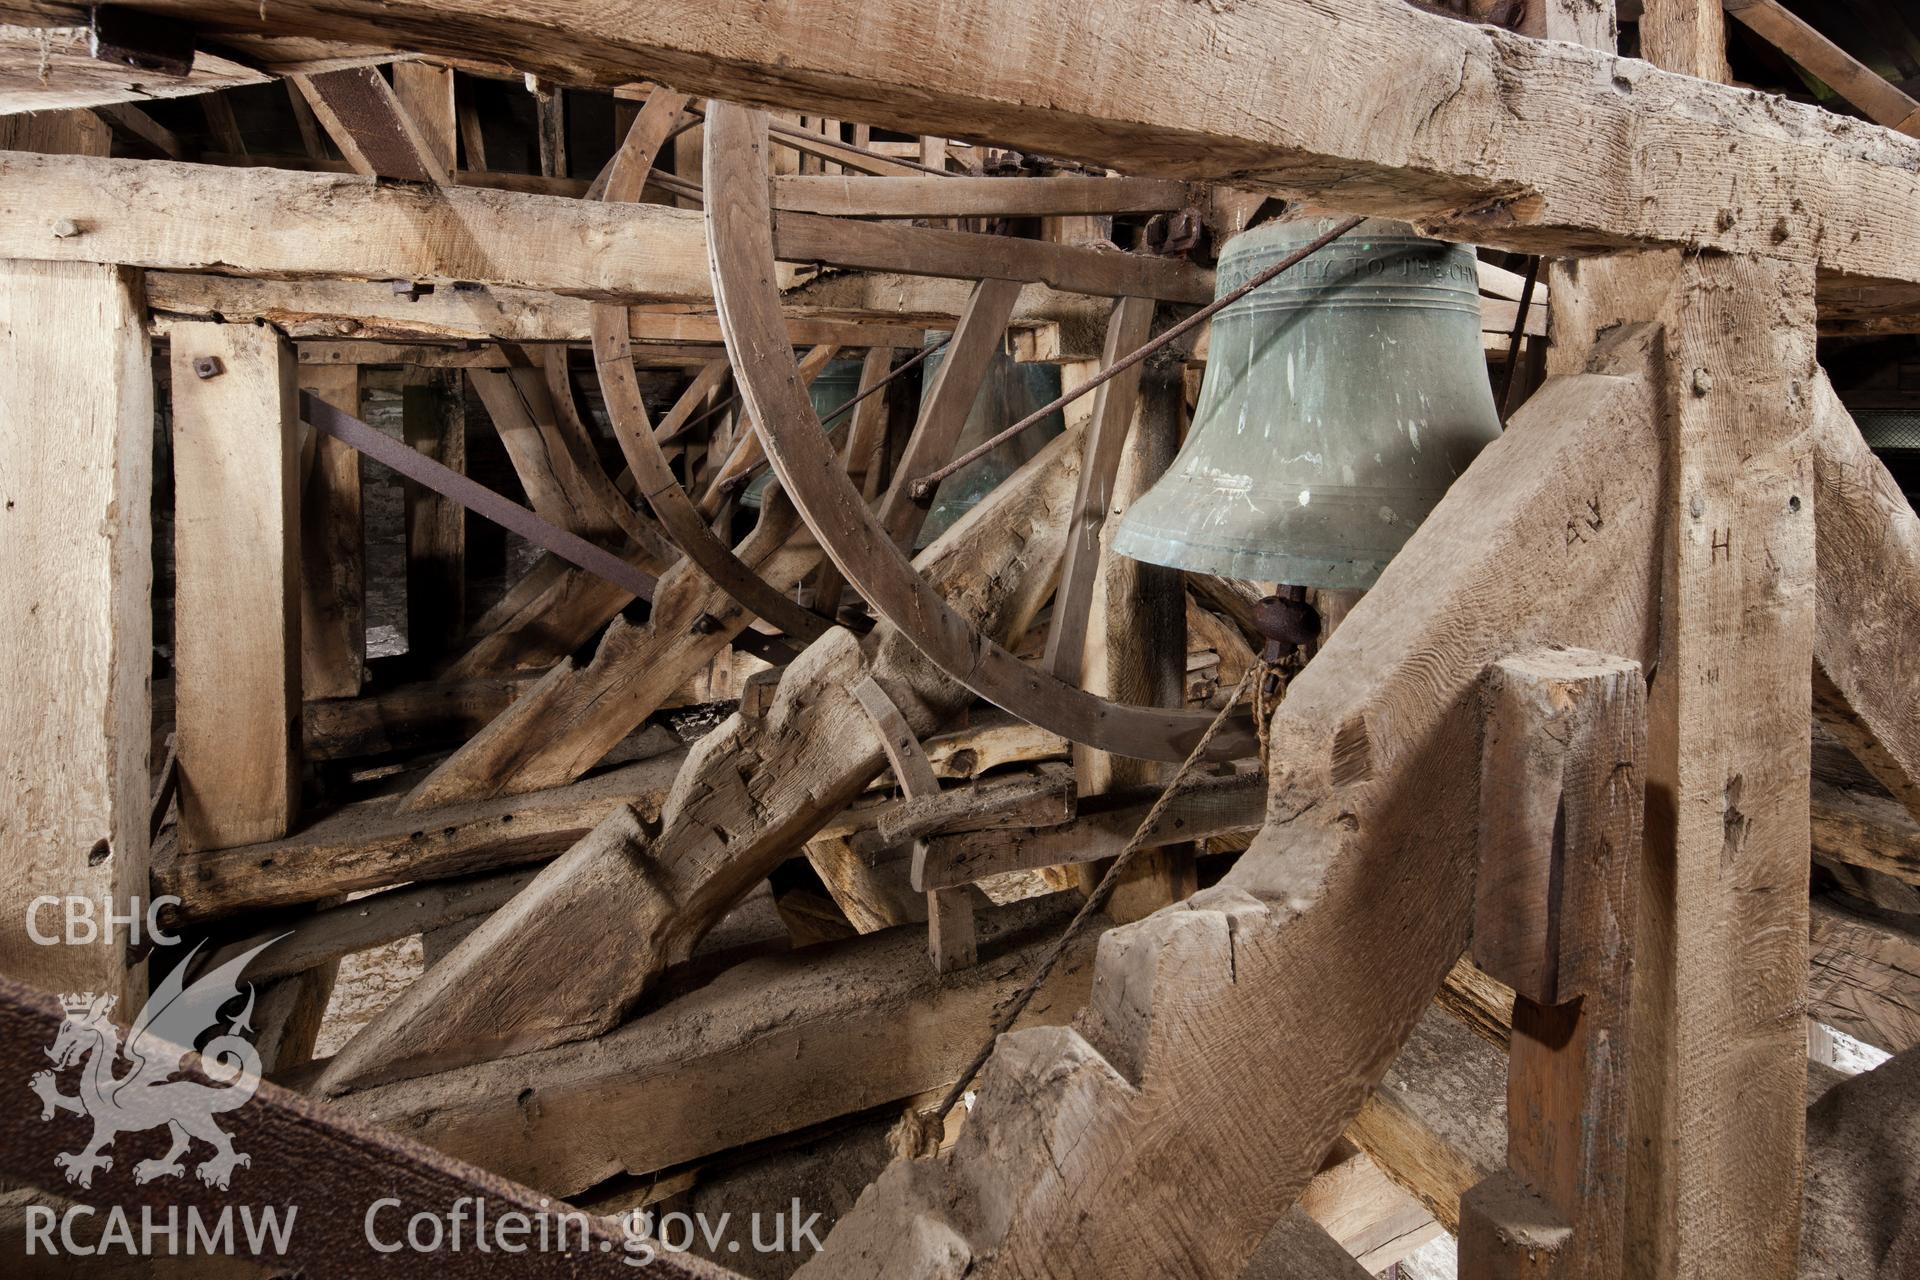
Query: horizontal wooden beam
[(369, 845), (166, 216), (1102, 827), (271, 222), (1472, 140), (960, 197), (788, 1041)]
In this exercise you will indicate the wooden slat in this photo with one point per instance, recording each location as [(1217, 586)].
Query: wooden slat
[(433, 419), (425, 94), (236, 617), (958, 197), (1114, 402), (850, 309), (944, 407), (333, 626), (866, 441), (75, 496), (372, 844), (873, 246)]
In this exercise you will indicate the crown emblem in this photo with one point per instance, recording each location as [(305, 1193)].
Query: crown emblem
[(81, 1003)]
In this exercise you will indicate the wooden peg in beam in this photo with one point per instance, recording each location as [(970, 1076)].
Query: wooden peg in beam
[(1560, 813), (950, 934)]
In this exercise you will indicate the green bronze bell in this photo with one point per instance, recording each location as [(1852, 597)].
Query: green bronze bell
[(1340, 401), (1008, 393), (836, 384)]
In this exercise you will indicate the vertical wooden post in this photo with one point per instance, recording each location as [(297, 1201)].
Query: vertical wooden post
[(1140, 622), (1574, 21), (1561, 781), (434, 419), (237, 583), (1687, 36), (951, 942), (1719, 1031), (866, 438), (333, 625), (76, 479)]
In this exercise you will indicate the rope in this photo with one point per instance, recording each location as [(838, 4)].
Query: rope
[(919, 1135)]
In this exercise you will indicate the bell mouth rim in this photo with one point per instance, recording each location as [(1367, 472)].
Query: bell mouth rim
[(1331, 572)]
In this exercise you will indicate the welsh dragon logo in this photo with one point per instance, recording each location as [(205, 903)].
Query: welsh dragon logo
[(148, 1096)]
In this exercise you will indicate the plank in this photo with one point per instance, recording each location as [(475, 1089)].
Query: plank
[(554, 459), (75, 502), (237, 647), (1864, 973), (863, 457), (945, 404), (1878, 99), (960, 197), (1119, 624), (1864, 828), (333, 627), (1365, 876), (966, 255), (791, 1040), (433, 420), (1868, 544), (425, 95), (340, 930), (373, 844), (1114, 404), (1473, 144), (750, 795), (951, 940), (1354, 1201)]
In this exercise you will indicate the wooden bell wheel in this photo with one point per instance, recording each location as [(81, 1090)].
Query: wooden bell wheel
[(866, 545)]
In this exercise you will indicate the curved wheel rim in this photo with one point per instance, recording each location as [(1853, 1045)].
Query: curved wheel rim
[(741, 256)]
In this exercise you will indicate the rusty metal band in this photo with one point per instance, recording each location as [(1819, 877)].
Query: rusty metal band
[(304, 1154), (505, 512)]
